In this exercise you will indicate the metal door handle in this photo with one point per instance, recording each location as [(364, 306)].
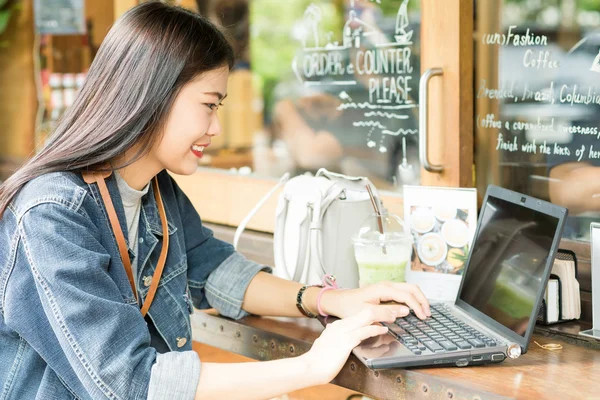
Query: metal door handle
[(423, 85)]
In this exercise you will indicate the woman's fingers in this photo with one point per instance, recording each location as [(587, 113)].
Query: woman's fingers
[(410, 300), (398, 309), (368, 317), (403, 294), (417, 293), (407, 298)]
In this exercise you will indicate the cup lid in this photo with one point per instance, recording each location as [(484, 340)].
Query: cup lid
[(384, 228)]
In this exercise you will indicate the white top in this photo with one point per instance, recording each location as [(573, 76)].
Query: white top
[(132, 203)]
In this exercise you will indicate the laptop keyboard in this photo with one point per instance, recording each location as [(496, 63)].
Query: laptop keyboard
[(440, 333)]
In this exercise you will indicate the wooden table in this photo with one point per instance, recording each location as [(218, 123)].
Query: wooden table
[(570, 373)]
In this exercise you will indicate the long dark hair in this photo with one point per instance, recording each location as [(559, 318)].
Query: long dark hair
[(150, 53)]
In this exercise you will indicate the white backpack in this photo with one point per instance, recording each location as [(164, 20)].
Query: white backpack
[(316, 218)]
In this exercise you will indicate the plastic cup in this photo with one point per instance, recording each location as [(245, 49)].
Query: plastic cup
[(382, 256)]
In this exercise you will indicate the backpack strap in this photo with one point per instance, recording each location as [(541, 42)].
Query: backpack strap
[(341, 184), (298, 215), (278, 251), (242, 226), (303, 256), (296, 210), (337, 176), (316, 227)]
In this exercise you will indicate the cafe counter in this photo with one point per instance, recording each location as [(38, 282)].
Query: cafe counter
[(567, 373)]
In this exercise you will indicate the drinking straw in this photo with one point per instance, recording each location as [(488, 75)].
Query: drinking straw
[(378, 213)]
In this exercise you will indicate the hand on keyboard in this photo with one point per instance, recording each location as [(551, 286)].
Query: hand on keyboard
[(331, 350), (397, 297)]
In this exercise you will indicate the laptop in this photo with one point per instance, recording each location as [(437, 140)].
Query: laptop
[(502, 286)]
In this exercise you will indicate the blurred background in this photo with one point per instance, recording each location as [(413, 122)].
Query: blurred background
[(295, 106)]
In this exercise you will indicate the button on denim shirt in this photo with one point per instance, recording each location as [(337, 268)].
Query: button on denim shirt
[(70, 327)]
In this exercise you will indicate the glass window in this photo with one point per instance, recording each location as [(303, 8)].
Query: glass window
[(328, 83), (537, 98), (323, 83)]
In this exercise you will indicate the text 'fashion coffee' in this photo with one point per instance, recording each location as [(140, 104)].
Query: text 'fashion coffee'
[(511, 38)]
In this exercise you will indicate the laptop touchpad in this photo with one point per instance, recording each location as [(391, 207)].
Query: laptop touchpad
[(381, 346)]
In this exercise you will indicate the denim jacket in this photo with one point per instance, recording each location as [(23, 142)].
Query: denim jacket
[(70, 327)]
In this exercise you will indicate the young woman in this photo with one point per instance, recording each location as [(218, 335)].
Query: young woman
[(93, 228)]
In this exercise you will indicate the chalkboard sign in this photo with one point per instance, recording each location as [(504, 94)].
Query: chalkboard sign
[(355, 81), (537, 94), (59, 17), (548, 97)]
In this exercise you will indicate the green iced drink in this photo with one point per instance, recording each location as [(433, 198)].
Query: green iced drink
[(382, 249), (373, 272)]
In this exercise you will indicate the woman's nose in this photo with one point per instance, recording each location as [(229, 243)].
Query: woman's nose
[(214, 128)]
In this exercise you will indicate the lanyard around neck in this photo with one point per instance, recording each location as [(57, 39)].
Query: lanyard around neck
[(99, 178)]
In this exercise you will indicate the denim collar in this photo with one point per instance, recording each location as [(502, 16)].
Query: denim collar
[(149, 214)]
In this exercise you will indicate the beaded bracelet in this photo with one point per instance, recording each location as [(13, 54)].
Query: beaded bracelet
[(305, 311)]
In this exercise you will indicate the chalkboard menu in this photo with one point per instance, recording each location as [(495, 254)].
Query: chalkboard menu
[(537, 92), (354, 77), (545, 93), (59, 17), (384, 64)]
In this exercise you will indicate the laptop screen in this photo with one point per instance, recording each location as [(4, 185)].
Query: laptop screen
[(506, 268)]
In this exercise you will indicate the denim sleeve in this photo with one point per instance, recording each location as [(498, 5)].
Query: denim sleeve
[(227, 285), (175, 376), (66, 305), (217, 276)]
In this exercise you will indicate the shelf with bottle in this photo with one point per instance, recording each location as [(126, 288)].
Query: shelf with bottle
[(64, 61)]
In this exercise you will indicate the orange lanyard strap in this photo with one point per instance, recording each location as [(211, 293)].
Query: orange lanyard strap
[(98, 177)]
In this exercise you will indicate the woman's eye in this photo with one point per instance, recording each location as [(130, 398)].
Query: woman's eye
[(213, 106)]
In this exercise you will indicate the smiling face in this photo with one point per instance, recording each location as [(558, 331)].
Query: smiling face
[(191, 123)]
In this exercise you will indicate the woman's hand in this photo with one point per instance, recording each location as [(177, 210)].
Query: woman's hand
[(398, 297), (331, 350)]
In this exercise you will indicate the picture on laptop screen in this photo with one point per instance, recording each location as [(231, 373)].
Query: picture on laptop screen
[(507, 263)]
